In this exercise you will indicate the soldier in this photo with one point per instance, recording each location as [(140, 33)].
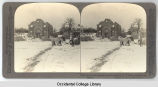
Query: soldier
[(128, 41), (71, 40), (53, 42), (140, 40), (121, 41), (60, 42)]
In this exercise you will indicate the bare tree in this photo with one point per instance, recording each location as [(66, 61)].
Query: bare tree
[(68, 25), (54, 30), (138, 23), (70, 22)]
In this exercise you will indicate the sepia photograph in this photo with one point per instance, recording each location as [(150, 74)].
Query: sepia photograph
[(113, 38), (46, 38), (57, 37)]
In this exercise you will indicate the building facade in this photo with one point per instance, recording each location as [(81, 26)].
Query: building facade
[(108, 29), (40, 29)]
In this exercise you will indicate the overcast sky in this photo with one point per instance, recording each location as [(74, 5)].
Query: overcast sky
[(123, 13), (54, 13)]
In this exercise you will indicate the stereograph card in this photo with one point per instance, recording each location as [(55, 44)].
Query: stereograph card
[(79, 40)]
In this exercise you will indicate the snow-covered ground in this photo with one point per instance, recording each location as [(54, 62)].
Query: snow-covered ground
[(92, 50), (110, 57), (126, 59), (91, 56), (60, 59), (24, 50), (40, 56)]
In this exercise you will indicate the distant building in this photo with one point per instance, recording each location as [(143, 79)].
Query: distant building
[(40, 29), (108, 29)]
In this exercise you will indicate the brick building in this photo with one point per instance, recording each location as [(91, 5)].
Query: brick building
[(108, 29), (40, 29)]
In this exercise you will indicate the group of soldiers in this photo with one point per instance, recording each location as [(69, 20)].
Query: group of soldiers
[(125, 41), (61, 39)]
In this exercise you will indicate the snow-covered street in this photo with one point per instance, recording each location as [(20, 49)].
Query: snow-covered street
[(42, 57), (90, 56), (25, 50), (60, 59), (110, 57), (92, 50), (126, 59)]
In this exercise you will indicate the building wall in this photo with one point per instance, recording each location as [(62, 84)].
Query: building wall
[(40, 29), (108, 29)]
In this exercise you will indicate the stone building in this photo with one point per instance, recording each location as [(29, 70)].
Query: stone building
[(108, 29), (40, 29)]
